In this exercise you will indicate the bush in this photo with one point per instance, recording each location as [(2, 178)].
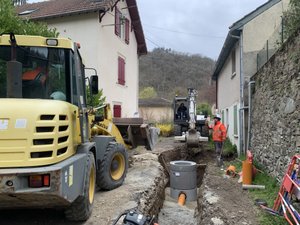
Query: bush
[(166, 130), (204, 109), (229, 148), (292, 18)]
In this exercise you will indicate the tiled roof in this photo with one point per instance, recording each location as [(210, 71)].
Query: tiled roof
[(60, 8)]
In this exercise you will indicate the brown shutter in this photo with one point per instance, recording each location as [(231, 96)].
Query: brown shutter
[(117, 110), (117, 22), (121, 71)]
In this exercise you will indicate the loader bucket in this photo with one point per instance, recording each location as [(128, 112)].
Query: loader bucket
[(135, 132)]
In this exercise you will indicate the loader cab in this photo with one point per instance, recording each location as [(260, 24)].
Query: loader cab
[(46, 71), (35, 67)]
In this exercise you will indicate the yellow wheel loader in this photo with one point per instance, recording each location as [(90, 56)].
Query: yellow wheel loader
[(54, 151)]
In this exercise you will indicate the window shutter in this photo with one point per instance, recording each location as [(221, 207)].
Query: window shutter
[(127, 31), (117, 22), (121, 71), (117, 111)]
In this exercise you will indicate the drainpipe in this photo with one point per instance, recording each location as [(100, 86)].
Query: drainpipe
[(242, 122), (242, 108), (249, 113), (216, 94)]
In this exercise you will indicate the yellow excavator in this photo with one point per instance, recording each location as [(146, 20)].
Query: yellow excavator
[(54, 150)]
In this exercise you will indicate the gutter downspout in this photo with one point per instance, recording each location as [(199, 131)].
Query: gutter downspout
[(242, 108), (242, 123), (249, 113)]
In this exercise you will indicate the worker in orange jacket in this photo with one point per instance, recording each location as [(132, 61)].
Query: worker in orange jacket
[(219, 133)]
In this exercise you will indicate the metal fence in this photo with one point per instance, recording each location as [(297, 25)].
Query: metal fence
[(270, 47)]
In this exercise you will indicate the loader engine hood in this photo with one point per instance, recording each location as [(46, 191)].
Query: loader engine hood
[(37, 132)]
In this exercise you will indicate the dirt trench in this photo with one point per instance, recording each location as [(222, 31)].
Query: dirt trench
[(220, 199), (146, 188)]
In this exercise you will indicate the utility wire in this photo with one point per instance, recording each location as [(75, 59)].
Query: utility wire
[(182, 32), (153, 42)]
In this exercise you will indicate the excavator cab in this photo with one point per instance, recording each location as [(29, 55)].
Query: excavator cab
[(188, 126)]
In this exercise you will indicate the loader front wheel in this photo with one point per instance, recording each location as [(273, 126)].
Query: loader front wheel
[(81, 208), (113, 167)]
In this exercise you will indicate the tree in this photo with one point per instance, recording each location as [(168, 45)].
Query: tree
[(11, 22), (95, 100), (292, 18), (148, 92), (204, 109)]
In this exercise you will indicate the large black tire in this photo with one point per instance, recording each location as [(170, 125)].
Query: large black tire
[(113, 168), (81, 208), (177, 130)]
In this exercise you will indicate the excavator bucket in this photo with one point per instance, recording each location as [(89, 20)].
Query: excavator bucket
[(136, 133)]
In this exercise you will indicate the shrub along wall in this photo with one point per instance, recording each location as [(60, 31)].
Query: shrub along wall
[(275, 135)]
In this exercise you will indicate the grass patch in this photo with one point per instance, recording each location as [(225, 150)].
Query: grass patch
[(268, 194), (229, 149)]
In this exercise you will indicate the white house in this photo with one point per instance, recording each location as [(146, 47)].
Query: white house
[(249, 40), (111, 38)]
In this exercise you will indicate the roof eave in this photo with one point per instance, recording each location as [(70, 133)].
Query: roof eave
[(137, 24), (37, 18), (230, 41)]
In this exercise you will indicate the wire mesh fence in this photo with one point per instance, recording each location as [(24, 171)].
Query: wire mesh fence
[(270, 47)]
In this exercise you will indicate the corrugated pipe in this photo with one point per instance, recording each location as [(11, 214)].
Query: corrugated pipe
[(181, 199)]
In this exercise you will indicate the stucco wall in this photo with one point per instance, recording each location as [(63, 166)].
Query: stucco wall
[(276, 110), (157, 114), (229, 93), (100, 48), (257, 31)]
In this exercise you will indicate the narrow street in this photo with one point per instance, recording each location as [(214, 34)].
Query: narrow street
[(221, 200)]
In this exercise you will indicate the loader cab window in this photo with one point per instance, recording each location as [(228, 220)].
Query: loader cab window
[(45, 73)]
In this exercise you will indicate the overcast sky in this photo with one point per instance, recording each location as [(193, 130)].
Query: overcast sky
[(194, 26)]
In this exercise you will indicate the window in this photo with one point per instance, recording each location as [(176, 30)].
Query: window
[(121, 71), (117, 111), (126, 31), (227, 117), (235, 121), (122, 26), (233, 63), (223, 115)]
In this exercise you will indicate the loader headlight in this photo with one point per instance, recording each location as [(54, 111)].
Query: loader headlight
[(52, 42)]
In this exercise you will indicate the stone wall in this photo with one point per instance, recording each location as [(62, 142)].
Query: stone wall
[(275, 134)]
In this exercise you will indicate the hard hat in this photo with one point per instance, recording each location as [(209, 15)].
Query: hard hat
[(58, 95), (217, 116)]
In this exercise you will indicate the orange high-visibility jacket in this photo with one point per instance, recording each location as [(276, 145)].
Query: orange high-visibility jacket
[(219, 132)]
